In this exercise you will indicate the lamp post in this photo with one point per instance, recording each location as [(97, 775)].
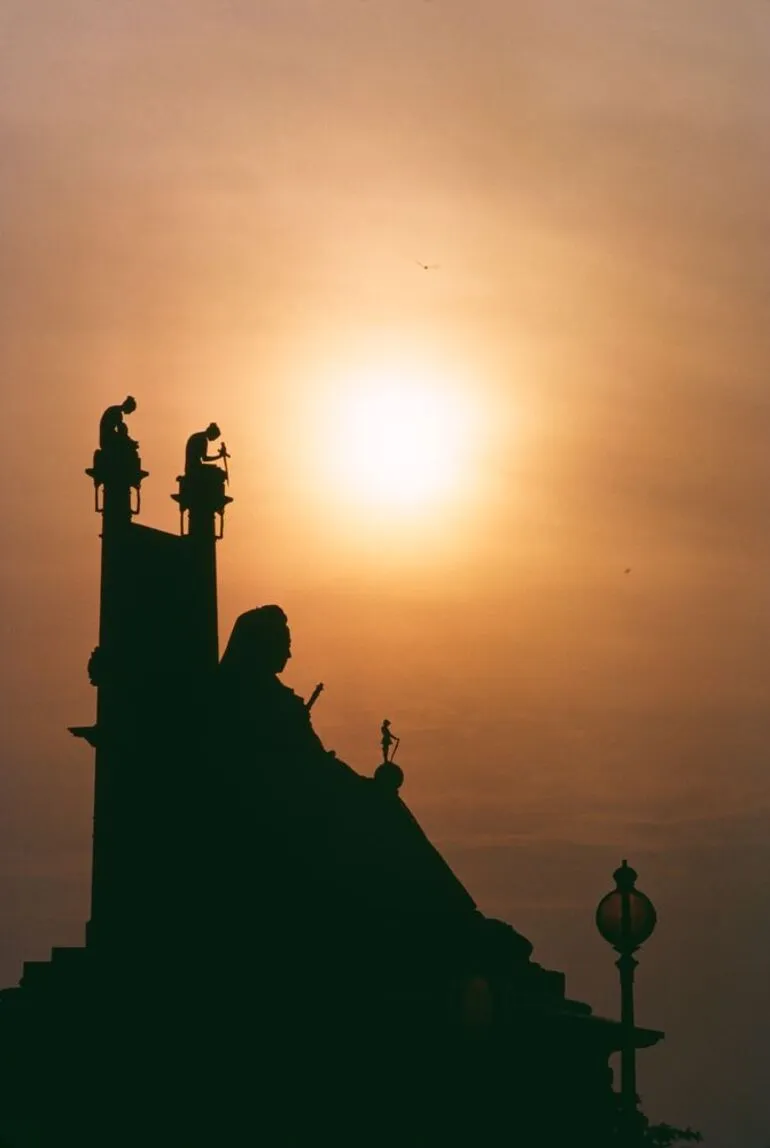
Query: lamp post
[(626, 918)]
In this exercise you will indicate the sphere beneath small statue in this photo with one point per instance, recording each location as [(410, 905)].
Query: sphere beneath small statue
[(389, 775)]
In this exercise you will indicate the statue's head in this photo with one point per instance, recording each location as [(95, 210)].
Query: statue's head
[(260, 643), (212, 432), (128, 406)]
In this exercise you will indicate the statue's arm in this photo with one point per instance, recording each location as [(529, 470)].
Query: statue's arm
[(108, 425)]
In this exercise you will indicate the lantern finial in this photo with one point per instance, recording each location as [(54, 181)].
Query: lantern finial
[(625, 876)]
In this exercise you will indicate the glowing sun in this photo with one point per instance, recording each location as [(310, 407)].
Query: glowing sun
[(399, 440)]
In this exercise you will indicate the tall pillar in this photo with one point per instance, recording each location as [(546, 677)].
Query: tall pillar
[(117, 477), (154, 670), (202, 500)]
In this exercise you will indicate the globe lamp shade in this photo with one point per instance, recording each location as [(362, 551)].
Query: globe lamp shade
[(626, 917)]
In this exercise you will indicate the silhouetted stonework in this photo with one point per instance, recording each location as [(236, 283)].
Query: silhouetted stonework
[(276, 954)]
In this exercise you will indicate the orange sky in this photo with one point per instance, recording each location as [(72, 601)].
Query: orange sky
[(218, 206)]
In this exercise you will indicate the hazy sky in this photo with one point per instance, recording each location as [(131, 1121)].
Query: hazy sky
[(219, 205)]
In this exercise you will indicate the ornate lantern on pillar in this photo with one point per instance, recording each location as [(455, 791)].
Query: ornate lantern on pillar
[(626, 918)]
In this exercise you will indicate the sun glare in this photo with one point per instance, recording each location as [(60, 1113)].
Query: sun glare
[(400, 440)]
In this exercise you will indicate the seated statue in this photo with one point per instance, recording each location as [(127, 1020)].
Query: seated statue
[(112, 426), (330, 839), (196, 455), (203, 483), (274, 717), (117, 456)]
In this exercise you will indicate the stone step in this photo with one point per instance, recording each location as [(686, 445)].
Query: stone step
[(35, 974), (69, 956)]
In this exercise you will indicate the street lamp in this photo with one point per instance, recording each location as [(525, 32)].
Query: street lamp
[(626, 917)]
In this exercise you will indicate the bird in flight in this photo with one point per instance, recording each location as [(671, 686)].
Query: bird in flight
[(427, 266)]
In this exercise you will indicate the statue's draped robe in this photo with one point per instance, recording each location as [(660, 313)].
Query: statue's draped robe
[(315, 845)]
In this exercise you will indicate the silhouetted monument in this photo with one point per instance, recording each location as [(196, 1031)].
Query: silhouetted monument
[(276, 953)]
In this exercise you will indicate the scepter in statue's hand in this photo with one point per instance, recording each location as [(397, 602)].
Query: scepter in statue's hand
[(314, 696), (224, 456)]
